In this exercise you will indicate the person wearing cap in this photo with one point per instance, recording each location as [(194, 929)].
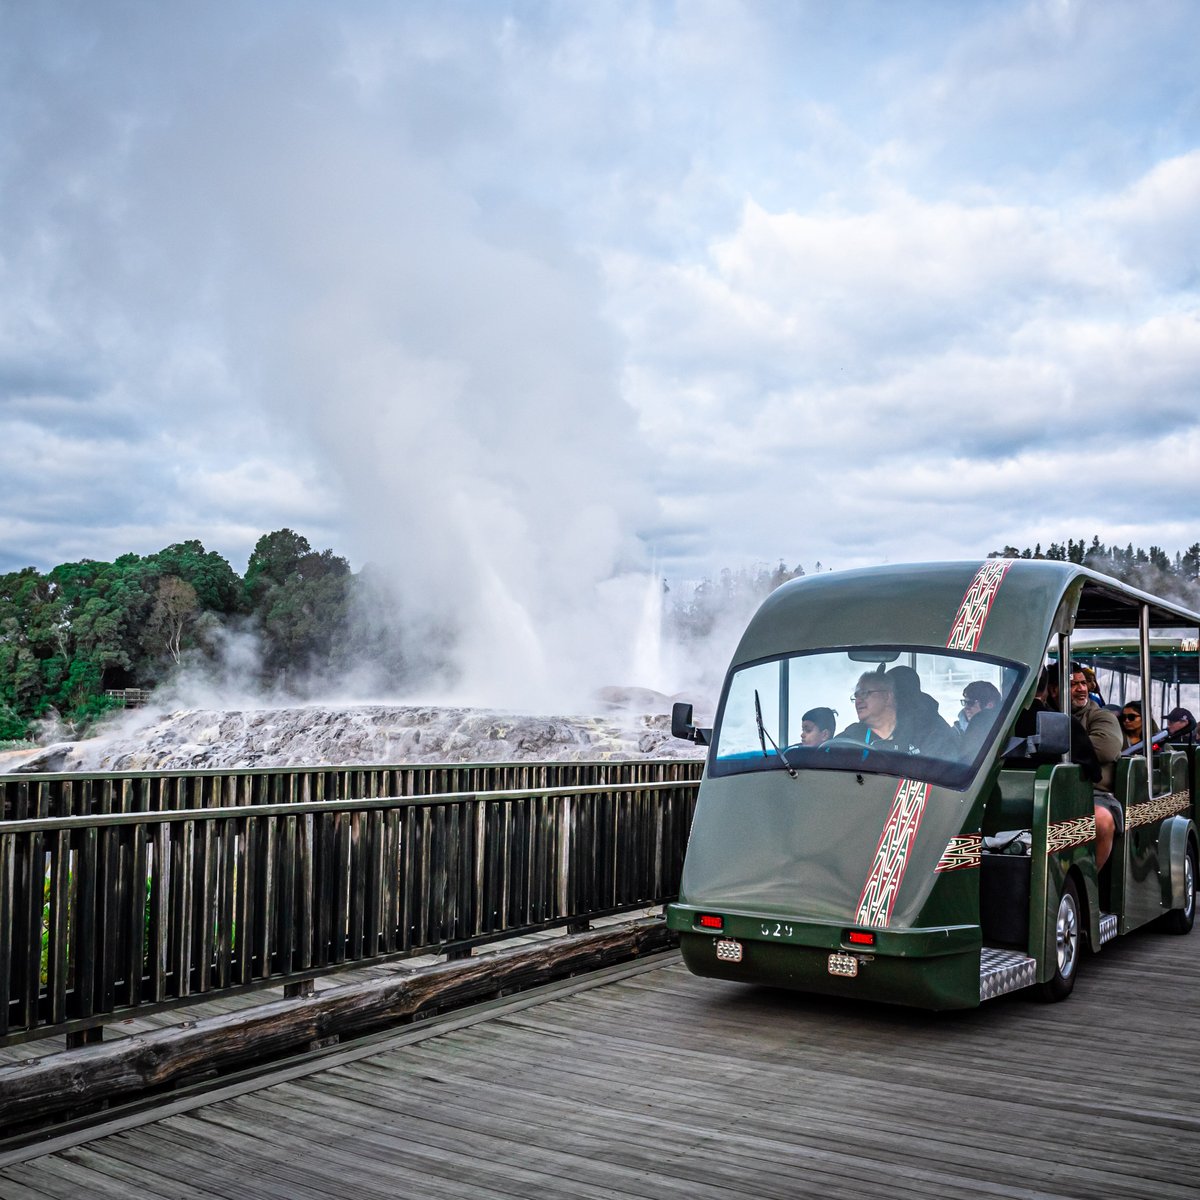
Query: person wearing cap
[(1181, 725), (1104, 732)]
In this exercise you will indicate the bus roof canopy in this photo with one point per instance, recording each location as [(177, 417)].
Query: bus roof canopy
[(916, 604)]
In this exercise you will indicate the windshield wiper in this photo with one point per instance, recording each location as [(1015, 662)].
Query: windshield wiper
[(764, 737)]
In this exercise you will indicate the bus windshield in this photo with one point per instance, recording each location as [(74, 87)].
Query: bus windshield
[(910, 711)]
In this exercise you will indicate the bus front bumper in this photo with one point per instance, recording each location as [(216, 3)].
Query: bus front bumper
[(935, 967)]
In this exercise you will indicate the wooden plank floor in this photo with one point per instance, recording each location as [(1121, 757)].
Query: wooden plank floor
[(655, 1084)]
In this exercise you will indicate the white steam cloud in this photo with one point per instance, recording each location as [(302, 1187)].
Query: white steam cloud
[(300, 230), (454, 371)]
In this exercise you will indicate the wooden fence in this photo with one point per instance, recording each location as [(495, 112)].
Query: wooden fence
[(73, 794), (119, 893)]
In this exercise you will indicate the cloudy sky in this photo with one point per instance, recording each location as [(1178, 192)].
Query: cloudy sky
[(495, 292)]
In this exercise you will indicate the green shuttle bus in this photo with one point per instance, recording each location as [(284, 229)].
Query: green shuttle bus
[(943, 861)]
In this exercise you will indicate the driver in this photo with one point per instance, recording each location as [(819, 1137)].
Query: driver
[(875, 703)]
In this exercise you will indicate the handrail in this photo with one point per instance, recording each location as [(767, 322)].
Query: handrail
[(107, 913), (105, 820)]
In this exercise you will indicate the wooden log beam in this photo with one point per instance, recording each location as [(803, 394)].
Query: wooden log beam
[(35, 1091)]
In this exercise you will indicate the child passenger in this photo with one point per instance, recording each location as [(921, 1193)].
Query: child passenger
[(817, 726)]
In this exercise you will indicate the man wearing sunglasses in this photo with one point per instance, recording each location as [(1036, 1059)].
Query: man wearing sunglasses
[(978, 697), (980, 700)]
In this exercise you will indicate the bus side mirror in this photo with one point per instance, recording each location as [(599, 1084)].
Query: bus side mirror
[(682, 727), (1052, 739)]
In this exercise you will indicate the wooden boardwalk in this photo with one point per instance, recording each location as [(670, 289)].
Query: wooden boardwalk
[(646, 1082)]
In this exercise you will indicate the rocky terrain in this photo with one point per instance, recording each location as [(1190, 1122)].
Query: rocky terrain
[(634, 723)]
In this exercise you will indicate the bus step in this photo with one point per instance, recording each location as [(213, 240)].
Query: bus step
[(1003, 971), (1108, 927)]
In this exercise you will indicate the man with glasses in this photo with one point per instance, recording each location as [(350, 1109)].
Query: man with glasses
[(875, 703), (891, 716)]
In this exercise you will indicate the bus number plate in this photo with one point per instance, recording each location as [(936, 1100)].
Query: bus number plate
[(843, 964), (729, 951)]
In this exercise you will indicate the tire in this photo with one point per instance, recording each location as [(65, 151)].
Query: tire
[(1181, 920), (1068, 945)]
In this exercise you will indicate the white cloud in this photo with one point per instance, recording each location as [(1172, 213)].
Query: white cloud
[(487, 292), (813, 366)]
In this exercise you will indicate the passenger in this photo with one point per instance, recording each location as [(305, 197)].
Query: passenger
[(980, 700), (1083, 754), (817, 725), (1104, 732), (979, 696), (1131, 724), (1181, 725), (921, 724)]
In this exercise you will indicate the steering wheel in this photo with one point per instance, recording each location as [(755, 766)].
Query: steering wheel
[(841, 742)]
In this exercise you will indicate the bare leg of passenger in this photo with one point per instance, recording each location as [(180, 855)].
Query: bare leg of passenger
[(1105, 830)]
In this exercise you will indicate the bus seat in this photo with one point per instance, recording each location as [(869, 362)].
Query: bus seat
[(1121, 778), (1011, 803)]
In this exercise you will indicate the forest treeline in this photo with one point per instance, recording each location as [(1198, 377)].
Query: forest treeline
[(70, 636), (1172, 577)]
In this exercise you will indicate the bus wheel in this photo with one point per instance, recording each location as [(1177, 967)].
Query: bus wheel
[(1180, 920), (1068, 944)]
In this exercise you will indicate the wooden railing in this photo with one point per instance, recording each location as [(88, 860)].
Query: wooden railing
[(75, 794), (108, 905)]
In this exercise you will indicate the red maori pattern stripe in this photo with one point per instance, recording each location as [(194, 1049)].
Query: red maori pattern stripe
[(973, 612), (961, 852), (895, 843), (891, 855)]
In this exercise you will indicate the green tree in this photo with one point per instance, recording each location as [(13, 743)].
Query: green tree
[(217, 586), (301, 600), (275, 557), (176, 606)]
